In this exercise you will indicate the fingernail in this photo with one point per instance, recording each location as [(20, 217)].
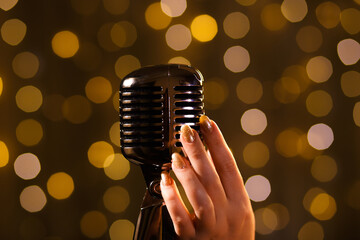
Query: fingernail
[(205, 123), (166, 179), (178, 161), (188, 134)]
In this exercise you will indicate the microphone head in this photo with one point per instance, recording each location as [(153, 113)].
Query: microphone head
[(154, 102)]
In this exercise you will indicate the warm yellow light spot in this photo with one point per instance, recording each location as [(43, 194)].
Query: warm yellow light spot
[(236, 25), (256, 154), (99, 152), (52, 107), (116, 166), (246, 2), (33, 199), (25, 65), (173, 8), (328, 14), (320, 136), (204, 28), (272, 18), (263, 215), (249, 90), (116, 199), (29, 98), (353, 195), (309, 39), (310, 195), (85, 7), (311, 230), (89, 57), (282, 215), (350, 83), (178, 37), (298, 73), (93, 224), (179, 60), (319, 69), (4, 154), (155, 17), (323, 207), (253, 121), (27, 166), (116, 102), (60, 185), (258, 187), (123, 34), (65, 44), (305, 150), (126, 64), (121, 229), (98, 89), (350, 20), (6, 5), (323, 168), (105, 36), (287, 142), (215, 93), (286, 90), (29, 132), (294, 10), (76, 109), (13, 31), (236, 59), (319, 103), (348, 51), (356, 114), (116, 7), (114, 133)]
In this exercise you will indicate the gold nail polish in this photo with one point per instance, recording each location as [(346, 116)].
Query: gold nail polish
[(188, 134), (178, 161), (166, 179), (205, 124)]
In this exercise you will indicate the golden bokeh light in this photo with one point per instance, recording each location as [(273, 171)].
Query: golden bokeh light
[(305, 150), (309, 197), (215, 93), (179, 60), (173, 8), (282, 215), (350, 20), (249, 90), (270, 219), (178, 37), (320, 136), (65, 44), (85, 7), (323, 207), (286, 90), (350, 83), (52, 106), (116, 199), (286, 142), (4, 154), (98, 89), (328, 14), (348, 51), (76, 109), (319, 69), (311, 230), (236, 59), (13, 31), (29, 132), (298, 73), (114, 133), (105, 39), (32, 198), (204, 28), (353, 195), (99, 152), (93, 224), (155, 17), (258, 188), (256, 154), (264, 218), (29, 98), (309, 39), (116, 7), (121, 229), (126, 64), (272, 18), (356, 114), (123, 34), (253, 121), (236, 25), (319, 103), (116, 166), (324, 168), (294, 10), (27, 166), (89, 57), (60, 185), (25, 65), (246, 2), (6, 5)]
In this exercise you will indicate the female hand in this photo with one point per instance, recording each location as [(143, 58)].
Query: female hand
[(213, 185)]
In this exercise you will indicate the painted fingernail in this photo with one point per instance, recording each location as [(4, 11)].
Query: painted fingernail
[(178, 161), (188, 134), (205, 123), (166, 179)]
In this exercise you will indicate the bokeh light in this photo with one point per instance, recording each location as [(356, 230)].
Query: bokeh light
[(116, 166), (4, 154), (27, 166), (286, 90), (272, 18), (155, 17), (350, 20), (173, 8), (236, 25), (309, 39), (319, 69), (286, 142), (320, 136), (13, 31), (356, 114), (282, 215), (65, 44), (114, 133), (253, 121), (323, 207), (204, 28), (126, 64), (76, 109), (319, 103), (236, 59), (109, 36), (294, 10), (93, 224), (305, 150), (121, 229), (98, 89), (249, 90), (265, 221), (179, 60), (29, 98), (348, 51), (29, 132), (299, 74), (116, 199), (178, 37), (6, 5), (32, 198), (52, 107), (328, 14), (60, 185), (215, 93), (256, 154), (309, 197), (123, 34), (99, 152), (25, 65), (258, 188), (116, 7), (350, 83), (311, 230), (324, 168)]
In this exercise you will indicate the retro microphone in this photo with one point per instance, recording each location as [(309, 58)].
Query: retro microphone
[(155, 102)]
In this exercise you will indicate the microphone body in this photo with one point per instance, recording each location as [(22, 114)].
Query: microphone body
[(154, 102)]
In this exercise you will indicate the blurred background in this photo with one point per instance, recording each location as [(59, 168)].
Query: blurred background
[(282, 80)]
